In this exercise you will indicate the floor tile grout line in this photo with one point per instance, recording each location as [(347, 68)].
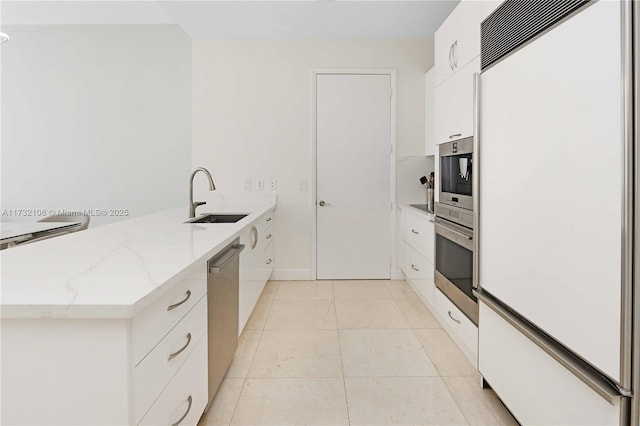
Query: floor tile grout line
[(235, 407), (344, 383), (455, 400)]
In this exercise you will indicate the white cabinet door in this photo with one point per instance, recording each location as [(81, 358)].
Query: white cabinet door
[(457, 41), (429, 112), (535, 387), (545, 130), (454, 105)]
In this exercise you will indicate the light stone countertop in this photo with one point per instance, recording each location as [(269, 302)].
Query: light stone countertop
[(417, 210), (116, 270)]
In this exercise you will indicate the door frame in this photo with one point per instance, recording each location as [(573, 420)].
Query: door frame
[(391, 72)]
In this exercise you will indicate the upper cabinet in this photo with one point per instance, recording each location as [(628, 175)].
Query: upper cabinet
[(429, 112), (457, 41), (454, 104), (457, 57)]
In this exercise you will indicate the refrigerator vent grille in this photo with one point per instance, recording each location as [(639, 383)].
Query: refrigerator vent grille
[(517, 21)]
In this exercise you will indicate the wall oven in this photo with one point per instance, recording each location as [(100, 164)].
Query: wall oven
[(454, 258), (456, 173)]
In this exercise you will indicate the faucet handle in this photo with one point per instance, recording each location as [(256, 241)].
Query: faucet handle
[(198, 203)]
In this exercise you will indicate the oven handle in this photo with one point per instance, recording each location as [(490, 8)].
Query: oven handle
[(455, 236)]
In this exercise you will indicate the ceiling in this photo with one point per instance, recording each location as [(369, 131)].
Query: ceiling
[(245, 19)]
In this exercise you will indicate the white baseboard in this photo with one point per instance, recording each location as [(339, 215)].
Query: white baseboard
[(397, 274), (305, 275), (291, 275)]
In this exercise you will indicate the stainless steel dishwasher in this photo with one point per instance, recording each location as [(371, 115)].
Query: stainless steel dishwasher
[(222, 312)]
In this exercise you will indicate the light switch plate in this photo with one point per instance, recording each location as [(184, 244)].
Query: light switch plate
[(303, 184), (259, 184), (247, 184), (274, 184)]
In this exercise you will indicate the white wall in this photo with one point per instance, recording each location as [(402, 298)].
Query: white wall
[(252, 118), (95, 117)]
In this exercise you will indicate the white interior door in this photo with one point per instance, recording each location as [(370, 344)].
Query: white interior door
[(353, 142)]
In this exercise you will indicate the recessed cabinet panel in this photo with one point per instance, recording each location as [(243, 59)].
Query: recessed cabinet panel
[(526, 378)]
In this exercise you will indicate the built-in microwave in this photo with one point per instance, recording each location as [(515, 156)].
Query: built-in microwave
[(456, 173)]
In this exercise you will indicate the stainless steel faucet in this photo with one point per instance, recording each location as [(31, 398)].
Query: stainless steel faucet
[(212, 187)]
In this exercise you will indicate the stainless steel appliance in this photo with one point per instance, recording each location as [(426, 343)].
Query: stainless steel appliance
[(222, 306), (456, 173), (454, 258)]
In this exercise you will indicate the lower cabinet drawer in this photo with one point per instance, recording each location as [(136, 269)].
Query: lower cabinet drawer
[(184, 399), (155, 371), (269, 257), (419, 233), (420, 272), (154, 322), (466, 331), (415, 265), (536, 388)]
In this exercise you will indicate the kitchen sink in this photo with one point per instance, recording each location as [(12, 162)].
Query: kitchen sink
[(218, 218)]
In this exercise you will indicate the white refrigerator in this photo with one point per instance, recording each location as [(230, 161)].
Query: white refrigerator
[(555, 210)]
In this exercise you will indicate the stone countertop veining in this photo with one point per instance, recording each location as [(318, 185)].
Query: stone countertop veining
[(116, 270)]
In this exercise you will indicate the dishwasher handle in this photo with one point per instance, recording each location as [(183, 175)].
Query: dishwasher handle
[(218, 264)]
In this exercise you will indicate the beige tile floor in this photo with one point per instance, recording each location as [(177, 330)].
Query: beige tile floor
[(349, 352)]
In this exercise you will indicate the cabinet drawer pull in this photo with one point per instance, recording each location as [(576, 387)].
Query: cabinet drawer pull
[(451, 316), (414, 268), (254, 232), (455, 54), (414, 231), (450, 56), (268, 237), (268, 219), (175, 305), (179, 351), (268, 261), (190, 401), (455, 136)]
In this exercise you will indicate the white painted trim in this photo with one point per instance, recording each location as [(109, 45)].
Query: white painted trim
[(290, 275), (397, 274), (391, 72)]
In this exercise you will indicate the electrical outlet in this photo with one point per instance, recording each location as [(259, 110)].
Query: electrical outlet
[(274, 184), (259, 184), (303, 184), (247, 184)]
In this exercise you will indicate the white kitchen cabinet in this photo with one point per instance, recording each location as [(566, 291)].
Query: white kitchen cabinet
[(419, 272), (108, 370), (418, 265), (537, 389), (455, 104), (161, 364), (457, 41), (418, 240), (186, 395), (463, 332), (429, 112), (256, 264), (419, 232), (154, 322)]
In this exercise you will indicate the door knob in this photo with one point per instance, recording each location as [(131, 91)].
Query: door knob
[(322, 203)]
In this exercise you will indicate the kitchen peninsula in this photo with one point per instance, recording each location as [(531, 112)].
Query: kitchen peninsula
[(90, 320)]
